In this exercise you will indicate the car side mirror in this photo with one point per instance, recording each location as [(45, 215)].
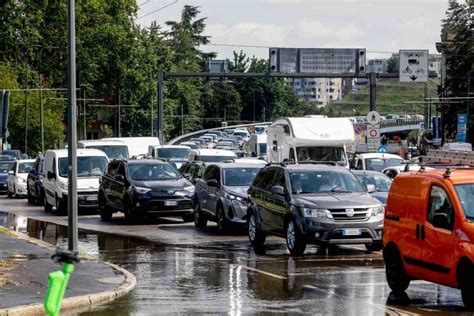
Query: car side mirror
[(279, 190), (187, 176), (51, 175), (371, 188), (11, 172), (119, 178), (440, 220), (213, 183)]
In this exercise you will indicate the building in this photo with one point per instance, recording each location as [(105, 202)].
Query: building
[(320, 91), (377, 66), (434, 64)]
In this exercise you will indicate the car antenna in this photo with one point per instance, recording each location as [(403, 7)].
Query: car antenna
[(448, 172)]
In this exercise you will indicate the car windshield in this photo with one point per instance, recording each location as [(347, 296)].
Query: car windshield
[(335, 154), (6, 166), (12, 153), (181, 153), (324, 181), (25, 167), (87, 166), (239, 176), (215, 158), (152, 172), (378, 164), (465, 194), (113, 152), (382, 183)]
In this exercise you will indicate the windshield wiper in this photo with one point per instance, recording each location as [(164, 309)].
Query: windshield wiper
[(339, 189)]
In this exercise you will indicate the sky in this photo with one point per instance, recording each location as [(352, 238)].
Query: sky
[(380, 26)]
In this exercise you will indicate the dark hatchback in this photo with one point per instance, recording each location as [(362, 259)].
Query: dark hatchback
[(5, 167), (145, 187), (34, 183)]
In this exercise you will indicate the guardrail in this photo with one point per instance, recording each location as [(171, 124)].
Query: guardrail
[(186, 137)]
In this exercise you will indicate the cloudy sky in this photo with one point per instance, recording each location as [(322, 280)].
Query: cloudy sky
[(380, 26)]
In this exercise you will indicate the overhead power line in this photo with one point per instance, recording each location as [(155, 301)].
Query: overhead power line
[(160, 8)]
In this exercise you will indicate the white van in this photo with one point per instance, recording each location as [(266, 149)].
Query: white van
[(310, 139), (137, 146), (377, 161), (91, 165), (174, 154), (114, 149), (211, 155)]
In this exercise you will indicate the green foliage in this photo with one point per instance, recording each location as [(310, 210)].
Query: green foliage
[(392, 64)]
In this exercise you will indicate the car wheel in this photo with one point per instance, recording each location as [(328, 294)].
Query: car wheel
[(222, 223), (104, 212), (294, 239), (375, 246), (465, 280), (61, 208), (200, 221), (128, 212), (256, 236), (47, 207), (40, 197), (397, 279), (29, 198), (10, 194)]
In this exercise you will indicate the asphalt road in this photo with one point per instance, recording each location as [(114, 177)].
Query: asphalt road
[(182, 270)]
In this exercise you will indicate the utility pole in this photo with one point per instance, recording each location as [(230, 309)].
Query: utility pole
[(161, 121), (26, 122), (42, 118), (72, 129), (182, 119), (84, 113), (119, 127), (468, 110), (426, 110), (253, 90), (151, 112), (373, 90)]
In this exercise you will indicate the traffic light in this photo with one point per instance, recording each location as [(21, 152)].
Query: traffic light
[(4, 107)]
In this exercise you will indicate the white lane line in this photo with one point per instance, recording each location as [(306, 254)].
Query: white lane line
[(264, 272)]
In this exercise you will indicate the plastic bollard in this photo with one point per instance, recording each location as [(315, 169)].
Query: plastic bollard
[(57, 284)]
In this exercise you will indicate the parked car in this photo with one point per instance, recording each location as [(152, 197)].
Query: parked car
[(5, 167), (145, 187), (221, 195), (16, 181), (193, 171), (381, 182), (34, 183), (91, 165), (312, 203), (429, 229)]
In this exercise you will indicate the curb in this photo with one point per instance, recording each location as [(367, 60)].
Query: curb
[(81, 303)]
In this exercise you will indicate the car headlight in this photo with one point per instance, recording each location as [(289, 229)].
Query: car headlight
[(235, 197), (316, 213), (377, 210), (142, 190), (187, 191), (63, 185)]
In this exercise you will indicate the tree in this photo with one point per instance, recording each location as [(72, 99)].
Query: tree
[(392, 63)]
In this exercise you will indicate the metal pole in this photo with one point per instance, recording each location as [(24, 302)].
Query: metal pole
[(161, 121), (119, 131), (468, 110), (84, 113), (72, 129), (151, 111), (373, 90), (182, 119), (42, 121), (26, 122), (253, 90)]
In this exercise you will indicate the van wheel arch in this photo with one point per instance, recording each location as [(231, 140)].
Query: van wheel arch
[(465, 278), (463, 266)]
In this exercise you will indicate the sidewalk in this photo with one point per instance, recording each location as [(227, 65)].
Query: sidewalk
[(25, 264)]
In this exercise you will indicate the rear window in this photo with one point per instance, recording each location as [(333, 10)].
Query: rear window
[(215, 158)]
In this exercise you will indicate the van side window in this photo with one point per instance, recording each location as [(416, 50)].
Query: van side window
[(359, 165), (440, 204), (54, 166), (292, 154)]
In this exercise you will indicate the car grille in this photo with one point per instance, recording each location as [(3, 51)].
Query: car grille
[(340, 215)]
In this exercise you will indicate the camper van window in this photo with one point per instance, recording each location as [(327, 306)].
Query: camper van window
[(286, 128), (262, 148), (113, 151), (335, 154)]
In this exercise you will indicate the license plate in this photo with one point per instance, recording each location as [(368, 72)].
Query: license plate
[(171, 203), (91, 198), (351, 232)]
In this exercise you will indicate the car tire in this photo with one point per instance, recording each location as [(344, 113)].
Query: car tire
[(104, 212), (128, 212), (29, 198), (222, 223), (40, 197), (256, 235), (61, 208), (397, 279), (9, 193), (466, 285), (200, 221), (294, 239), (375, 246), (47, 207)]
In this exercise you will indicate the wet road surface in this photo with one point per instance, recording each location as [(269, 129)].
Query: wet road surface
[(224, 275)]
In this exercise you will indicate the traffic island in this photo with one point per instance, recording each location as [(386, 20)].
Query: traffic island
[(25, 264)]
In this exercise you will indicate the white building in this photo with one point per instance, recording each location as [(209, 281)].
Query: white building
[(321, 91), (434, 64)]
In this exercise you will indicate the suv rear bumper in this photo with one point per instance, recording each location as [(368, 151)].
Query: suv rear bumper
[(335, 233)]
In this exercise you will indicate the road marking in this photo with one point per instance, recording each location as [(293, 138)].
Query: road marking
[(264, 272)]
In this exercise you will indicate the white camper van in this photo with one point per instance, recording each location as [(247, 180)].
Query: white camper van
[(137, 145), (114, 149), (310, 139)]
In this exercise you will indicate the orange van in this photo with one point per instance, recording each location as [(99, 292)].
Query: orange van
[(429, 230)]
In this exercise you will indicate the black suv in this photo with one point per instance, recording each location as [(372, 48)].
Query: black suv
[(313, 203), (145, 187)]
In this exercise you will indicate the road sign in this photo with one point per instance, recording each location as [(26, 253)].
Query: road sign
[(373, 144), (413, 65), (462, 123), (373, 117), (318, 60), (357, 130), (373, 131), (382, 149)]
